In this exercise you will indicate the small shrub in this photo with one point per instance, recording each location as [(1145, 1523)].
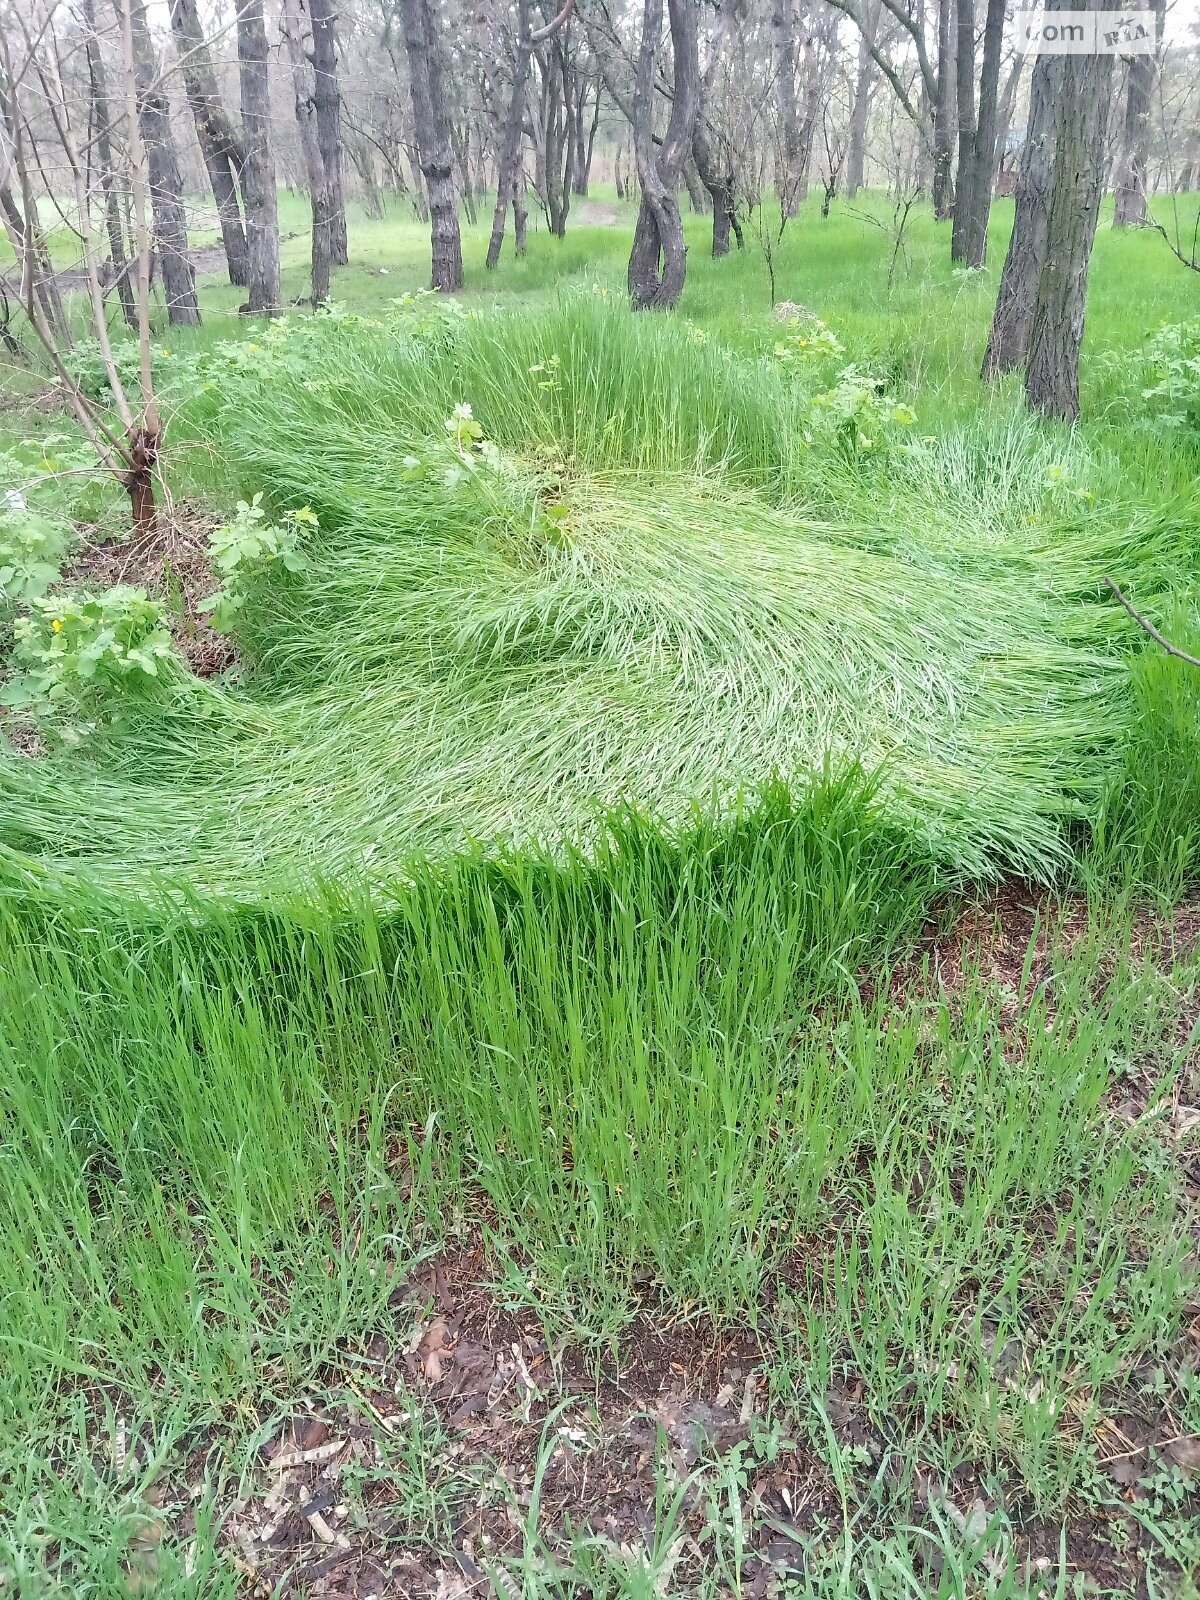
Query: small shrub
[(860, 416), (245, 550), (1173, 362), (81, 658)]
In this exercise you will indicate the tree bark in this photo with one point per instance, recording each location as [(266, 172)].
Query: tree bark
[(431, 116), (165, 184), (328, 102), (945, 116), (112, 209), (977, 132), (718, 184), (258, 170), (1056, 327), (1130, 188), (864, 81), (220, 143), (509, 159), (658, 260), (1008, 345), (783, 26), (308, 123)]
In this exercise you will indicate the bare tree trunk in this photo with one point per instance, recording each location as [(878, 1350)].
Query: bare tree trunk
[(112, 209), (1004, 114), (432, 121), (220, 144), (945, 117), (977, 132), (864, 81), (585, 149), (520, 212), (719, 186), (658, 260), (328, 102), (509, 159), (258, 171), (1130, 188), (783, 26), (34, 259), (1008, 345), (1056, 329), (307, 121), (166, 186)]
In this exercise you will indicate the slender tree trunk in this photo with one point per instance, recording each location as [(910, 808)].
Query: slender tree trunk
[(658, 260), (508, 171), (791, 179), (220, 144), (1008, 345), (509, 159), (258, 171), (36, 261), (1130, 188), (328, 101), (432, 122), (166, 186), (585, 148), (307, 121), (1056, 327), (864, 80), (1004, 113), (520, 212), (112, 209), (977, 132), (945, 116)]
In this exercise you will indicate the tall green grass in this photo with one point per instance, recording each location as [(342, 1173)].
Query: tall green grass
[(730, 599)]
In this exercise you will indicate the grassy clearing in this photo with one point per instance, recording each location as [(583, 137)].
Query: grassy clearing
[(542, 910)]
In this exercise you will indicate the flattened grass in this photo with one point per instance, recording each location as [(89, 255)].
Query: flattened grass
[(730, 600)]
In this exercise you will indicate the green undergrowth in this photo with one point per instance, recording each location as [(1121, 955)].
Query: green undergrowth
[(654, 1075)]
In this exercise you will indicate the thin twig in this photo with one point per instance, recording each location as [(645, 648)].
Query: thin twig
[(1148, 626)]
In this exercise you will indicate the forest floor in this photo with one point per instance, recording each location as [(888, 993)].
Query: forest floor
[(780, 1208)]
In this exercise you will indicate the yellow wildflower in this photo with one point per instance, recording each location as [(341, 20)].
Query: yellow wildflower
[(57, 624)]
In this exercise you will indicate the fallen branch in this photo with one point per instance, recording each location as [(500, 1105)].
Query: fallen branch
[(1145, 624)]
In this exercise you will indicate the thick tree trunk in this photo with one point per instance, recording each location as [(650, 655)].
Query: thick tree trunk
[(1129, 191), (112, 209), (258, 171), (945, 116), (303, 91), (432, 122), (718, 184), (1008, 345), (328, 102), (1056, 328), (977, 132), (220, 144), (166, 186), (658, 260)]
